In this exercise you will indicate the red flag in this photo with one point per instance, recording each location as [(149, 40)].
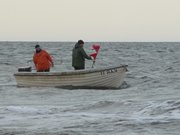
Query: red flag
[(95, 47), (93, 55)]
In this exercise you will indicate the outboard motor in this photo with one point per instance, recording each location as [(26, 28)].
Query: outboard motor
[(25, 69)]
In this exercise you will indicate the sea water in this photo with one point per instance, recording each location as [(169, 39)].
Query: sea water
[(148, 104)]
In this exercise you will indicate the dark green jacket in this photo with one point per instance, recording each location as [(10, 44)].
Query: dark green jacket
[(78, 57)]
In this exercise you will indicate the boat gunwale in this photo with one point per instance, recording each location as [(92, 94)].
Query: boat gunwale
[(75, 72)]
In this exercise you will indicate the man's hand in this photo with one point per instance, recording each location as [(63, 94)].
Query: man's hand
[(92, 58)]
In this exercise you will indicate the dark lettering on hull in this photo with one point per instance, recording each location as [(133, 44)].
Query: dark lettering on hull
[(109, 71)]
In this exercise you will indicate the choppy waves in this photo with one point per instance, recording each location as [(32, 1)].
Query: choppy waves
[(148, 103), (118, 116)]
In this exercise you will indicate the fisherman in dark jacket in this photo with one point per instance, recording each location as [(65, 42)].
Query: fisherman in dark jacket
[(79, 55)]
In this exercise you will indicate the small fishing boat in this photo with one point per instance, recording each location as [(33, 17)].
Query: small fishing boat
[(110, 77)]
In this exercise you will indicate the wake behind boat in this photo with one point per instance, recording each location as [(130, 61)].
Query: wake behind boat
[(110, 77)]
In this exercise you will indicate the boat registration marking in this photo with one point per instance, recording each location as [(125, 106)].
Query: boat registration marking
[(109, 71)]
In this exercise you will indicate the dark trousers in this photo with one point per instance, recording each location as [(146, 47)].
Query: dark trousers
[(78, 68), (46, 70)]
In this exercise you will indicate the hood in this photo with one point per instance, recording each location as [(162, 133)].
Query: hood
[(77, 45)]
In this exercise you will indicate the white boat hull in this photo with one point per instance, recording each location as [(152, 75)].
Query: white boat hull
[(111, 77)]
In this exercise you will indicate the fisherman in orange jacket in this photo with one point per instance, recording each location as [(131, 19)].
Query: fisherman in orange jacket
[(42, 60)]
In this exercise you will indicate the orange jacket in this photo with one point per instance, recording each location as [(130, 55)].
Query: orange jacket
[(42, 60)]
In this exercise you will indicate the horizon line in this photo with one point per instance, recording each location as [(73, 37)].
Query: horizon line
[(77, 40)]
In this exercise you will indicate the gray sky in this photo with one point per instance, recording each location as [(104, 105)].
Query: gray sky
[(90, 20)]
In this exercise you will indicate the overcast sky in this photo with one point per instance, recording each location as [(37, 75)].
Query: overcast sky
[(90, 20)]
